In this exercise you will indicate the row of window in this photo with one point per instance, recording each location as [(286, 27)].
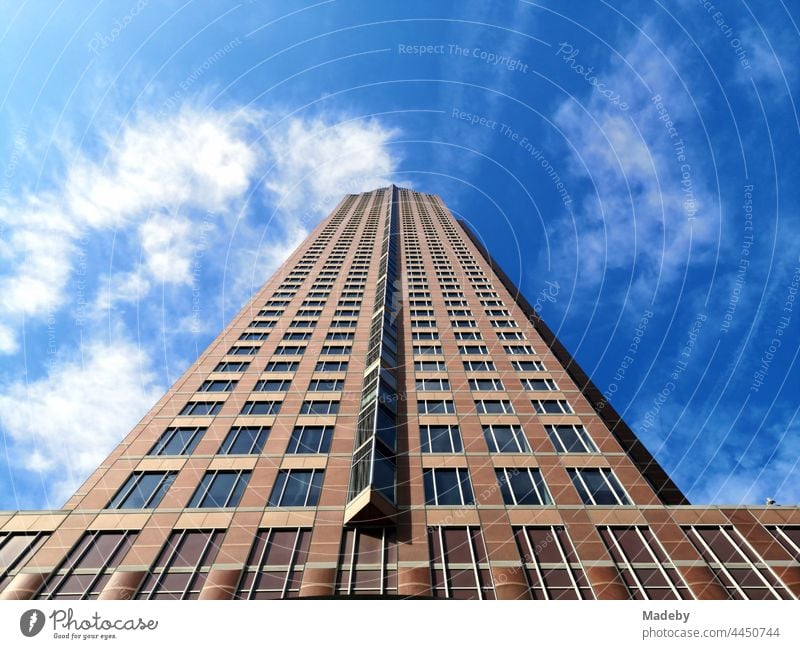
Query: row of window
[(253, 407), (419, 366), (494, 407), (302, 487)]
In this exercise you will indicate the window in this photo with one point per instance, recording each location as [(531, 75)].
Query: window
[(598, 487), (429, 366), (480, 385), (788, 537), (473, 350), (15, 550), (331, 366), (274, 568), (423, 324), (528, 366), (521, 486), (254, 335), (302, 324), (441, 439), (424, 335), (551, 566), (442, 407), (232, 366), (479, 366), (447, 487), (261, 408), (244, 440), (539, 384), (261, 324), (296, 488), (552, 407), (319, 408), (428, 350), (272, 385), (494, 407), (326, 385), (335, 350), (220, 489), (343, 324), (144, 489), (201, 408), (504, 324), (281, 366), (572, 438), (290, 350), (433, 384), (739, 568), (465, 324), (310, 439), (506, 439), (645, 568), (297, 335), (510, 335), (217, 386), (88, 566), (468, 335), (182, 565), (242, 350), (177, 441), (459, 565), (367, 562), (340, 335), (518, 350)]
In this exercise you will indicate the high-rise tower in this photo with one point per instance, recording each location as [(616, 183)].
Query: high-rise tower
[(389, 417)]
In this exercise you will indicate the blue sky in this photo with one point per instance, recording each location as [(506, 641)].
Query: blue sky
[(632, 166)]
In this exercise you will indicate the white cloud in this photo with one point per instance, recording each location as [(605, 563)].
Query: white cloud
[(194, 159), (120, 287), (8, 341), (316, 161), (638, 212), (65, 423)]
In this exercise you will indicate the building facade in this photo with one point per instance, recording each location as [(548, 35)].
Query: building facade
[(389, 417)]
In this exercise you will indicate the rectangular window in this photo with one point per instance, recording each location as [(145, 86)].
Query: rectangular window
[(432, 384), (182, 565), (87, 568), (468, 335), (528, 366), (244, 440), (319, 408), (464, 324), (261, 324), (598, 487), (261, 408), (441, 439), (331, 366), (518, 350), (459, 564), (143, 490), (552, 568), (254, 335), (343, 324), (15, 550), (335, 350), (510, 335), (429, 366), (494, 407), (739, 568), (274, 568), (232, 366), (220, 489), (297, 335), (272, 385), (447, 487), (243, 350), (424, 335), (427, 350), (473, 350), (201, 408), (440, 407), (789, 537), (282, 366), (310, 439), (479, 366), (367, 562), (643, 564), (296, 488), (480, 385), (504, 324), (178, 441), (572, 438), (302, 324), (539, 385), (340, 335), (521, 486), (290, 350), (216, 385), (326, 385), (506, 439), (420, 324), (552, 407)]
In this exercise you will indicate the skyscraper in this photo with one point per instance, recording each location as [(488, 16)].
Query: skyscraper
[(389, 417)]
